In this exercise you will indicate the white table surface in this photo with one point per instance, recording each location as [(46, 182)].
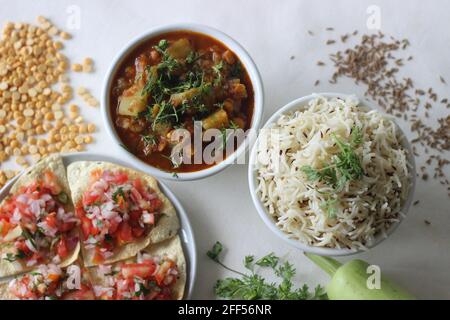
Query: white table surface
[(417, 256)]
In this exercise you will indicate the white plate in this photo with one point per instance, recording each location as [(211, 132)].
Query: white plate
[(185, 233)]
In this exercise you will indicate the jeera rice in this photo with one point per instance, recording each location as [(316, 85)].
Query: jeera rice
[(333, 174)]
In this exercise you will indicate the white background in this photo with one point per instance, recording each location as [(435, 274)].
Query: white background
[(417, 256)]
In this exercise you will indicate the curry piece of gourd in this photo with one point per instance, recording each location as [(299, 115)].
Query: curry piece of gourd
[(217, 120), (133, 101), (180, 49), (177, 99)]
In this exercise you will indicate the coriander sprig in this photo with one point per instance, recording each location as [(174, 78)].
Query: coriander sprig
[(254, 287), (346, 166)]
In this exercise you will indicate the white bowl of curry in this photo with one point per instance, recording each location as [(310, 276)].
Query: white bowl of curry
[(184, 101)]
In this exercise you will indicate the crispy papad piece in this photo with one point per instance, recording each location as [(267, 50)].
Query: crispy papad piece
[(5, 293), (173, 249), (54, 164), (79, 176)]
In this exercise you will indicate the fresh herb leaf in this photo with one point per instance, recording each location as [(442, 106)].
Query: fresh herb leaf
[(27, 235), (218, 72), (192, 57), (329, 206), (269, 260), (162, 46), (345, 167), (356, 136), (63, 197), (254, 287), (215, 251), (10, 257), (248, 262), (149, 140), (142, 290), (117, 193)]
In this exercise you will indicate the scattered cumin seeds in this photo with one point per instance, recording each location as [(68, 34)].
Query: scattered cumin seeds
[(442, 80), (416, 202), (320, 63), (427, 222), (330, 42)]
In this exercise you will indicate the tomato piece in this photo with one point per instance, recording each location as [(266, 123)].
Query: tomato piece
[(98, 257), (66, 226), (89, 198), (96, 174), (113, 225), (20, 245), (162, 271), (124, 233), (50, 182), (82, 294), (61, 248), (137, 231), (155, 204), (142, 270), (135, 216), (137, 183), (86, 227), (71, 243), (50, 219), (5, 226), (119, 177)]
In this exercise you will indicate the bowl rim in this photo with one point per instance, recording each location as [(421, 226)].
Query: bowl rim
[(298, 104), (246, 60), (185, 232)]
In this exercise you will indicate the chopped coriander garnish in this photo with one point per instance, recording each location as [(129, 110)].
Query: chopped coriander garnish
[(149, 140), (117, 193), (329, 206), (63, 197), (345, 167)]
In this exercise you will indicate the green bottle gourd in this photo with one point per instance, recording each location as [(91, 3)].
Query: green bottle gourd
[(349, 281)]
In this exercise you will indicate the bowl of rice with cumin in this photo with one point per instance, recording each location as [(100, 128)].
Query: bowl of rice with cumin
[(332, 175)]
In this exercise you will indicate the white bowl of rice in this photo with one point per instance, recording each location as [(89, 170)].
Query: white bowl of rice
[(332, 175)]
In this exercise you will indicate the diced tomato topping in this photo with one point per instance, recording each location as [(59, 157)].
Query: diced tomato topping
[(142, 270), (137, 231), (135, 216), (120, 177), (86, 227), (162, 271), (5, 226), (89, 198), (50, 219), (113, 226), (98, 257), (61, 248), (50, 182), (155, 204), (71, 243), (66, 226), (124, 233)]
